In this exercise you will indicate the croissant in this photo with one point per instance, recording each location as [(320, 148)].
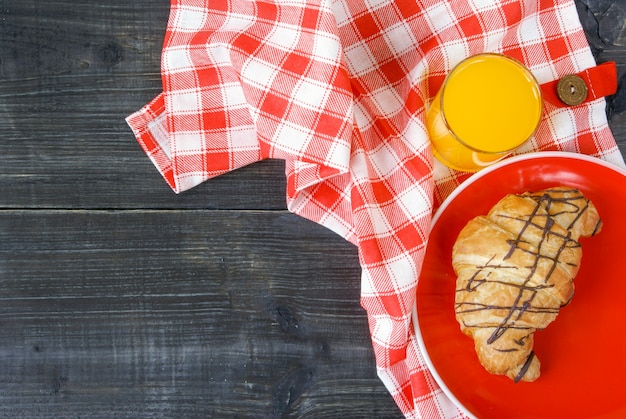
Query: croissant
[(515, 269)]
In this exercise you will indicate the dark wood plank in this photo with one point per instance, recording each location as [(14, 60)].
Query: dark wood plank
[(182, 314), (71, 72), (122, 299)]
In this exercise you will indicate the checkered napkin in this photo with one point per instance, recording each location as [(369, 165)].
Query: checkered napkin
[(338, 89)]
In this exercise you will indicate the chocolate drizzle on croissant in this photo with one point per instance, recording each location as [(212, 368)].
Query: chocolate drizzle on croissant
[(515, 269)]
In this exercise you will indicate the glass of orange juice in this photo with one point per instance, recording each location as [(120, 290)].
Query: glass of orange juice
[(488, 106)]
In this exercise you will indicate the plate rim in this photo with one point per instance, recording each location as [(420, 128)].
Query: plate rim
[(442, 208)]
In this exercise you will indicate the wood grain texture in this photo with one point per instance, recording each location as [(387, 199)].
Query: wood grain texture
[(182, 314), (122, 299)]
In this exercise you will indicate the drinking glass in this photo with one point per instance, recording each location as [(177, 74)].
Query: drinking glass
[(488, 106)]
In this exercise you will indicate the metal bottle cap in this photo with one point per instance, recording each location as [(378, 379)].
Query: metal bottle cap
[(572, 90)]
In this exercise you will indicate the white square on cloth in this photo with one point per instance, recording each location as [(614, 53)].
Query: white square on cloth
[(310, 93), (177, 59), (190, 19)]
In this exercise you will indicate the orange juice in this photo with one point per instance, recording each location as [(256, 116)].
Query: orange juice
[(488, 106)]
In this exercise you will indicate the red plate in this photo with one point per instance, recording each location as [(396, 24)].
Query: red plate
[(583, 352)]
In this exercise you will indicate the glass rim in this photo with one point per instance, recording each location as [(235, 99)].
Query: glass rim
[(519, 64)]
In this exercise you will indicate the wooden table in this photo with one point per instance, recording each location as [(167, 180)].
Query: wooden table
[(119, 298)]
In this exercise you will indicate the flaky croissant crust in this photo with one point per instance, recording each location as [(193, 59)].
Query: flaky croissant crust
[(515, 269)]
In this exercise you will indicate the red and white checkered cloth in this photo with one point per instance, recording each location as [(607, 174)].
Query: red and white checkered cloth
[(338, 88)]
